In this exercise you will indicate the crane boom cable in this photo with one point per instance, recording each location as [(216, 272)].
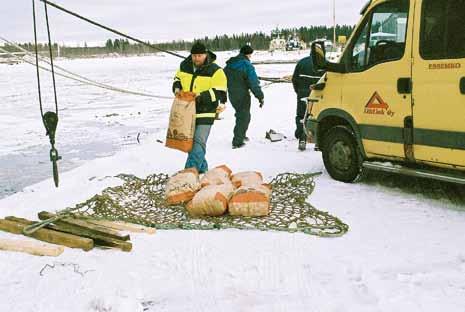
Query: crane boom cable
[(110, 29), (76, 78), (69, 74), (120, 33), (51, 57), (37, 59)]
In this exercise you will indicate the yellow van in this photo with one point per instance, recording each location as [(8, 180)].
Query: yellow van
[(395, 101)]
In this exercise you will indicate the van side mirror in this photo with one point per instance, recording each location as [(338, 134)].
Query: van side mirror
[(319, 55)]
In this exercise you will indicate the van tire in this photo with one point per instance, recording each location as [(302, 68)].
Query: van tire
[(341, 155)]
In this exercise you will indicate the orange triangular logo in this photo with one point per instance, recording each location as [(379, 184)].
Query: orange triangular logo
[(377, 102)]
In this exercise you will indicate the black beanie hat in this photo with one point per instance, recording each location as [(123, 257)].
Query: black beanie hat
[(198, 48), (246, 50)]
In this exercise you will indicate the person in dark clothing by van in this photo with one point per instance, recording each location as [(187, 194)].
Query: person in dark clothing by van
[(242, 79), (304, 76)]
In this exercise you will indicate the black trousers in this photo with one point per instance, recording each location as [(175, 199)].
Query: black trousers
[(299, 116), (241, 105)]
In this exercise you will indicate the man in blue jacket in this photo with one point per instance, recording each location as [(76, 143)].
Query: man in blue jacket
[(304, 76), (242, 78)]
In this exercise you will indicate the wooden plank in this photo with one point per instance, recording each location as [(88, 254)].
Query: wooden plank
[(85, 226), (124, 226), (32, 248), (110, 242), (49, 236), (99, 239), (20, 220)]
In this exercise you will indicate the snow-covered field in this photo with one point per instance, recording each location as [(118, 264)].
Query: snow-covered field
[(405, 250)]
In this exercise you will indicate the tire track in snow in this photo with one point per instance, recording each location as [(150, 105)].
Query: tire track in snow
[(303, 277), (203, 292), (193, 270)]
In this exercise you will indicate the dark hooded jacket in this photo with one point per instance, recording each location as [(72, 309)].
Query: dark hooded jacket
[(300, 81), (242, 78)]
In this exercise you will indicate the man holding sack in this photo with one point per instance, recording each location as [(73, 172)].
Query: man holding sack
[(201, 83)]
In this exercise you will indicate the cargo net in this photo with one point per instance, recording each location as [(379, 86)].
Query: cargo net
[(142, 201)]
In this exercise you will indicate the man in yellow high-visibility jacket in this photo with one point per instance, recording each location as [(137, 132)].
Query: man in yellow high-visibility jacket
[(198, 73)]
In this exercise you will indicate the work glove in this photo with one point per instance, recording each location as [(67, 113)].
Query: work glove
[(262, 102), (221, 107)]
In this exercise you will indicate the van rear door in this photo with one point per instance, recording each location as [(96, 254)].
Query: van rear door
[(439, 82)]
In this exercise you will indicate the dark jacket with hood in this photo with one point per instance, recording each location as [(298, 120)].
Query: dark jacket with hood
[(208, 82), (242, 78), (300, 81)]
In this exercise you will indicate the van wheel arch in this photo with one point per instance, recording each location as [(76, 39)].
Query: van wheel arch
[(334, 117)]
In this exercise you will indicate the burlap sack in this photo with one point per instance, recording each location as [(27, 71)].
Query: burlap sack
[(181, 127), (247, 178), (250, 201), (215, 176), (212, 200), (182, 186)]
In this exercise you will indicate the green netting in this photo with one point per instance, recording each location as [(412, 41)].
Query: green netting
[(142, 201)]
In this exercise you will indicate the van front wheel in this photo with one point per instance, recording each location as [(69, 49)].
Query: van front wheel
[(341, 155)]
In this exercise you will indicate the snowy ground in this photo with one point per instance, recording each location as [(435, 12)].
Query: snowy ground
[(404, 251)]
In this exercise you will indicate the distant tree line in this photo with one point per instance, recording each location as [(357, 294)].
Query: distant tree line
[(309, 34), (258, 40)]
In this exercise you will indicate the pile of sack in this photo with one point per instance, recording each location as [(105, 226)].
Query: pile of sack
[(219, 191)]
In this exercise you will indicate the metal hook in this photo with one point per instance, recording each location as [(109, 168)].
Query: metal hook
[(54, 158)]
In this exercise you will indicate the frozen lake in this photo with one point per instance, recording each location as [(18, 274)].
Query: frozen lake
[(93, 122)]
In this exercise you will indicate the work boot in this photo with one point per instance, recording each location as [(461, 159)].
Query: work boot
[(234, 146), (246, 139), (302, 145)]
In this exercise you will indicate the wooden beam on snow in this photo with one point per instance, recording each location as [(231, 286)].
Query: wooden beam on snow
[(48, 235), (30, 247)]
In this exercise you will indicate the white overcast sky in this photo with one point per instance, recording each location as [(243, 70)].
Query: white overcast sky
[(161, 20)]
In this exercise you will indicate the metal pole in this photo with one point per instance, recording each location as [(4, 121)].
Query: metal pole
[(334, 23)]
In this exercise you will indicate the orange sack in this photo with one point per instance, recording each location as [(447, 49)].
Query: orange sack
[(251, 201), (182, 186), (216, 176), (181, 127), (212, 200), (247, 178)]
